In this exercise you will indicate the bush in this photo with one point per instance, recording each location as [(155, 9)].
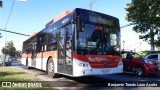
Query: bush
[(144, 53)]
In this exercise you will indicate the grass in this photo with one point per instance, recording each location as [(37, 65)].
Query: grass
[(15, 74), (8, 74)]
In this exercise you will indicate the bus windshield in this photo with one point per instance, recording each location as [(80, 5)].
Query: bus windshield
[(98, 39)]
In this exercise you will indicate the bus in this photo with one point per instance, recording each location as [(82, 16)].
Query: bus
[(77, 43)]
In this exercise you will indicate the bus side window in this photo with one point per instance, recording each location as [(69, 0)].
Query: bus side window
[(39, 44), (29, 47), (52, 41)]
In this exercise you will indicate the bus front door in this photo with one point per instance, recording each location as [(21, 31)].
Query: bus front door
[(64, 50)]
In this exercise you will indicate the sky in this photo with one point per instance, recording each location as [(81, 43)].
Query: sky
[(31, 16)]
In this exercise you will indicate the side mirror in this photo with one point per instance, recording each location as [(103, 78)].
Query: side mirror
[(129, 57)]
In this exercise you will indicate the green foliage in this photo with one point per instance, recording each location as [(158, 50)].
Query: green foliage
[(15, 74), (144, 53), (18, 75), (18, 54), (158, 42), (158, 47), (145, 16), (9, 49)]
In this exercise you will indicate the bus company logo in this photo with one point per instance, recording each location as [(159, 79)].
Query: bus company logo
[(50, 30), (65, 20), (6, 84), (98, 59)]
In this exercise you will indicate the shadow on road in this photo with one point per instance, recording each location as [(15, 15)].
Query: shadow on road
[(100, 81), (87, 81)]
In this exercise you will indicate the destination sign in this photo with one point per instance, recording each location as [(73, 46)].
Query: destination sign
[(101, 20)]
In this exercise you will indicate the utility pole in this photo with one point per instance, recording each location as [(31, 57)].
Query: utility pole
[(140, 43), (4, 56), (14, 32), (0, 50), (123, 44)]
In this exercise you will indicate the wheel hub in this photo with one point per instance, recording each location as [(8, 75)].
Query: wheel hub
[(50, 67)]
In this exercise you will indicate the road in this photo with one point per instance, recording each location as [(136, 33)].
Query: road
[(131, 77), (91, 82)]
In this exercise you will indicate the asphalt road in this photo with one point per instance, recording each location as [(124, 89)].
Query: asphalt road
[(91, 82), (131, 77)]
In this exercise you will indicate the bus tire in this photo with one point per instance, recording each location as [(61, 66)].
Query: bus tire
[(50, 68), (27, 66)]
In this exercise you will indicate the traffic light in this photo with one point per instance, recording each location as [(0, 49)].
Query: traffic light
[(1, 4)]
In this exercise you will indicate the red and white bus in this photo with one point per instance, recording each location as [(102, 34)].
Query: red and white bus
[(77, 43)]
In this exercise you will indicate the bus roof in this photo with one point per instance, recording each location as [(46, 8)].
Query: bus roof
[(85, 10), (63, 14)]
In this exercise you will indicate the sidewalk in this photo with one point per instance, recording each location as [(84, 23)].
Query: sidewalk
[(1, 64)]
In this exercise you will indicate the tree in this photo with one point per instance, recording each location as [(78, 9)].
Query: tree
[(158, 43), (145, 16), (18, 54), (158, 48), (9, 49)]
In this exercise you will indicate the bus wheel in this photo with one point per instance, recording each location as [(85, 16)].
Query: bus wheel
[(27, 66), (50, 68)]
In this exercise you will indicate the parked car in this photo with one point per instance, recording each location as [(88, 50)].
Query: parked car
[(1, 61), (8, 61), (133, 62), (153, 56)]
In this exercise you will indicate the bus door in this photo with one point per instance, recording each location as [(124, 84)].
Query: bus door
[(64, 50), (33, 56)]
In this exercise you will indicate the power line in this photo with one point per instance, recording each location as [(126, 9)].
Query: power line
[(9, 14), (14, 32), (29, 35), (91, 4), (126, 25)]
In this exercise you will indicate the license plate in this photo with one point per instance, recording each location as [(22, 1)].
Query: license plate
[(105, 71)]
